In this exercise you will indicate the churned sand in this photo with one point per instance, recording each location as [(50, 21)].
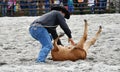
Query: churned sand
[(18, 50)]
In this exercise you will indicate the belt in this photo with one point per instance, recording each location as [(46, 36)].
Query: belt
[(39, 25)]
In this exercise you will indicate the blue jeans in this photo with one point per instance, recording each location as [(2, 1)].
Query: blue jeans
[(32, 10), (92, 9), (70, 8), (42, 35), (81, 7), (4, 11), (102, 5)]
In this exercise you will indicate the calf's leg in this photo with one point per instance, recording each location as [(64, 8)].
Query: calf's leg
[(84, 37), (93, 40)]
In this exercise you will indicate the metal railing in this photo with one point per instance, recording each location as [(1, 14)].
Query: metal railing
[(111, 7)]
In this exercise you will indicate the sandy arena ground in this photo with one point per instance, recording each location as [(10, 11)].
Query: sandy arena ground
[(18, 50)]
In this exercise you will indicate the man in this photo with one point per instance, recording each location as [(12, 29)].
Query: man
[(102, 6), (91, 4), (65, 4), (32, 5), (4, 7), (70, 6), (42, 27), (81, 5)]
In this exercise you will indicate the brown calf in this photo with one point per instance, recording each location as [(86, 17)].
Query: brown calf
[(73, 53)]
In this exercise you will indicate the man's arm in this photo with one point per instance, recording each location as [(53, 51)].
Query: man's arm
[(54, 35)]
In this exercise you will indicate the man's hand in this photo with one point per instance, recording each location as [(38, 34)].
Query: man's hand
[(71, 41)]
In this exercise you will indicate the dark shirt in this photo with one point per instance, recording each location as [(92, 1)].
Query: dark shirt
[(32, 4), (51, 20), (23, 4), (4, 4), (65, 2)]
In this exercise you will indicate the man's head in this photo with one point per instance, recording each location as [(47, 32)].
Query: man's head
[(63, 10)]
